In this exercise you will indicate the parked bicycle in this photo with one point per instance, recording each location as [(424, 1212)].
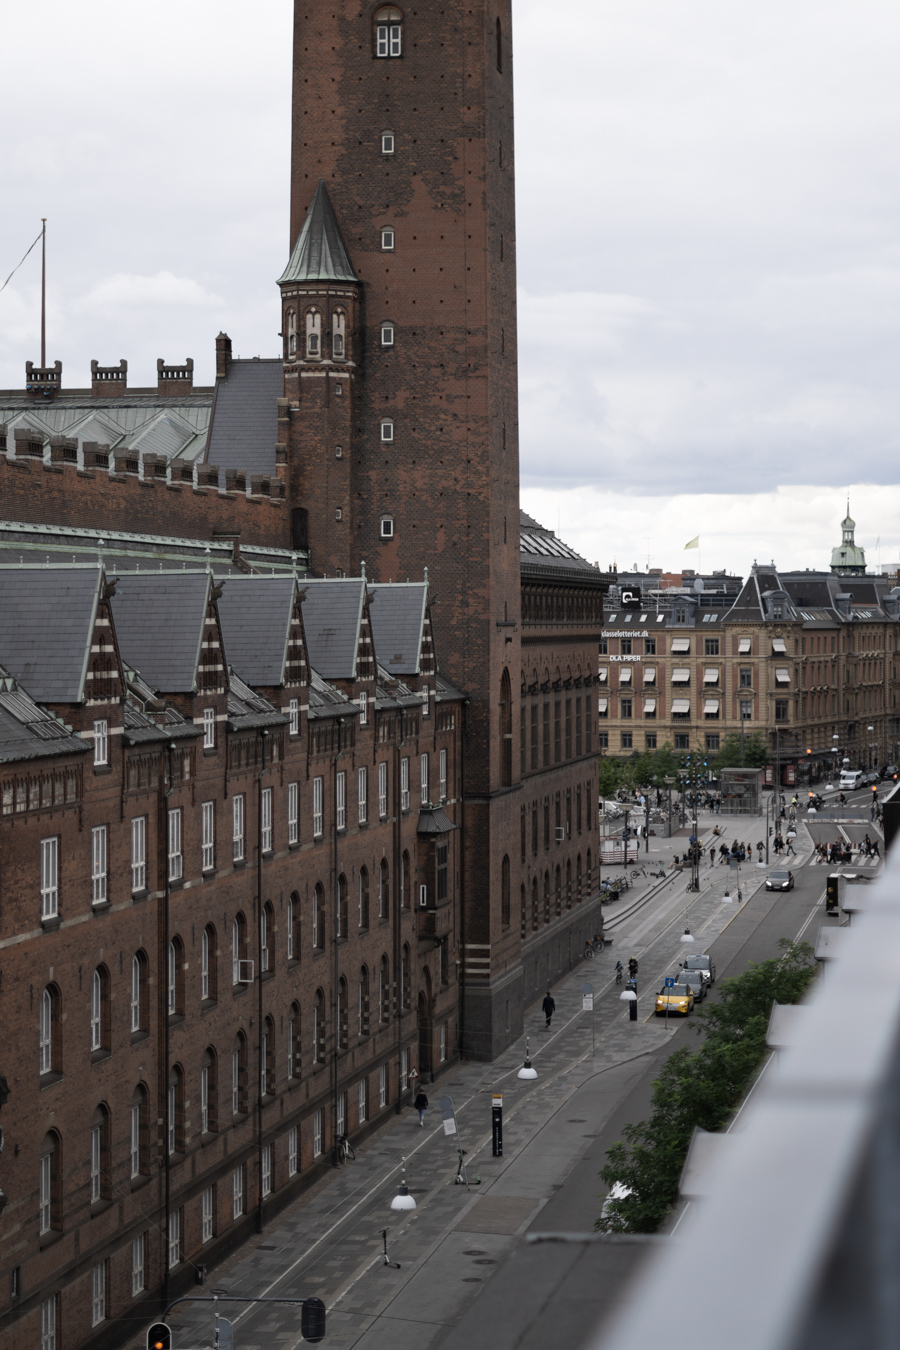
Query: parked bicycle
[(596, 944), (620, 971), (345, 1149)]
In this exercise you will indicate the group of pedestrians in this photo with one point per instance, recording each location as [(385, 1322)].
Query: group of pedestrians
[(840, 851)]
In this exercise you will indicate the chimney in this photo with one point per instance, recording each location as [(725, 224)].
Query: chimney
[(96, 456), (29, 443), (63, 450), (109, 381), (174, 381), (223, 356), (42, 382)]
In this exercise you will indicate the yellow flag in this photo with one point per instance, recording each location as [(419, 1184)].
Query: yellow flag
[(695, 543)]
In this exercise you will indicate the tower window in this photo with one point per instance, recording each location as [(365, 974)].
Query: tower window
[(338, 330), (387, 527), (387, 240), (388, 31), (313, 333), (387, 143), (387, 430), (387, 335)]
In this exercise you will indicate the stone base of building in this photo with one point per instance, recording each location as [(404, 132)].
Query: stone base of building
[(494, 1010)]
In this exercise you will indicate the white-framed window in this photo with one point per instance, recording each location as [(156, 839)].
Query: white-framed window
[(388, 143), (96, 1011), (404, 1068), (290, 930), (442, 774), (362, 792), (264, 949), (49, 878), (293, 813), (235, 1082), (98, 865), (426, 703), (341, 800), (237, 827), (363, 709), (209, 728), (175, 1238), (423, 896), (313, 333), (209, 836), (208, 1213), (204, 1099), (237, 1192), (139, 853), (387, 527), (98, 1294), (317, 1133), (172, 1107), (383, 789), (204, 963), (388, 35), (293, 1151), (101, 742), (382, 1085), (443, 1042), (266, 805), (342, 1114), (48, 1324), (294, 716), (172, 979), (46, 1032), (387, 429), (45, 1193), (315, 918), (136, 993), (138, 1278), (135, 1149), (318, 812), (424, 779), (404, 785), (176, 861), (267, 1170), (362, 1099), (387, 335), (387, 239), (235, 952), (96, 1163)]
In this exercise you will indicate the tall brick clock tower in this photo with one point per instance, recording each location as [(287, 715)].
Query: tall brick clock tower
[(399, 309)]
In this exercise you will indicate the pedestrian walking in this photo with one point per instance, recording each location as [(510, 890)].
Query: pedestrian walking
[(875, 849), (549, 1007), (421, 1105), (789, 844)]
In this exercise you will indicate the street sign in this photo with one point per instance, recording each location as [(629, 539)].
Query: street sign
[(497, 1125), (413, 1074), (448, 1115), (224, 1334), (587, 1002), (670, 983)]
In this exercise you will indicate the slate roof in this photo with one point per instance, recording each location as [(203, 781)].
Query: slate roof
[(255, 613), (332, 611), (46, 625), (168, 724), (247, 709), (398, 618), (326, 701), (29, 732), (540, 552), (319, 253), (245, 417), (445, 692), (159, 621), (434, 820)]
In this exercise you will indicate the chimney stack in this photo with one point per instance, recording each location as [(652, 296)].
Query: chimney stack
[(109, 381), (174, 381), (223, 356), (43, 382)]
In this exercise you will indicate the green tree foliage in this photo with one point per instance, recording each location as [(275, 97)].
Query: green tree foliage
[(648, 769), (700, 1090), (756, 752)]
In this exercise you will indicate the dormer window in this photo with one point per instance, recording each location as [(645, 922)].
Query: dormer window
[(387, 239), (388, 31), (388, 143), (338, 331), (314, 333)]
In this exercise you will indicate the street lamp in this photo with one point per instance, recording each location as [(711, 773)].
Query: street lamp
[(668, 782), (870, 730)]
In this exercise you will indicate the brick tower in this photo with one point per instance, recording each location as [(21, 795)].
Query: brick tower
[(403, 219)]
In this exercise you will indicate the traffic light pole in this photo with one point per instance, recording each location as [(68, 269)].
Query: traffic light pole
[(312, 1314)]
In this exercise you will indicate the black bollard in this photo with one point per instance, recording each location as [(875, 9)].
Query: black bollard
[(632, 1009)]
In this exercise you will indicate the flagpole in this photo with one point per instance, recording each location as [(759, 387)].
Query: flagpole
[(43, 292)]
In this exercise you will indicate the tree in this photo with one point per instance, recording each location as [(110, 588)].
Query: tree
[(609, 776), (755, 756)]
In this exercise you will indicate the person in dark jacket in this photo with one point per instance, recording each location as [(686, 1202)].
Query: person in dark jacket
[(421, 1105), (549, 1007)]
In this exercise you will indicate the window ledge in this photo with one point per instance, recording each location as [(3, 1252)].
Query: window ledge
[(138, 896), (101, 769), (100, 1206), (100, 906), (176, 1019), (208, 1003), (48, 1079), (49, 924), (98, 1055), (268, 853), (137, 1037), (176, 883), (237, 989), (48, 1239), (140, 1180), (292, 848), (238, 862)]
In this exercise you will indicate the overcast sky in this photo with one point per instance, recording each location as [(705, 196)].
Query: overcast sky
[(708, 246)]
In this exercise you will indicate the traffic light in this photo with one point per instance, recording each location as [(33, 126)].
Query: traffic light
[(159, 1337), (875, 787), (312, 1319)]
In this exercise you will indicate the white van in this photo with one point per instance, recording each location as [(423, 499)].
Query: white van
[(851, 778)]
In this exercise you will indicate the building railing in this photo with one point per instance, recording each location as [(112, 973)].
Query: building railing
[(797, 1243)]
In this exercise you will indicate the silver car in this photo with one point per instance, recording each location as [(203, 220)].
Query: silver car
[(695, 981), (705, 964)]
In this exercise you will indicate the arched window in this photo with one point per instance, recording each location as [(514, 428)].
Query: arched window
[(319, 1027), (139, 994), (267, 938), (209, 1092), (49, 1034), (50, 1184), (546, 897), (505, 730), (384, 990), (139, 1144), (293, 928), (175, 1112), (343, 1017), (338, 335), (100, 1180), (208, 964), (569, 884), (267, 1059), (362, 898), (578, 879), (558, 890), (100, 1011), (406, 976), (524, 916), (294, 1041), (238, 949), (405, 881), (313, 333), (175, 978), (504, 892), (499, 47), (343, 917), (388, 31), (318, 917), (239, 1075), (363, 1001), (590, 878), (291, 333), (534, 904)]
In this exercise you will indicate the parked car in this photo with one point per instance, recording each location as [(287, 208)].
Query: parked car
[(780, 881), (676, 1000), (695, 981), (870, 779), (851, 778), (702, 963), (890, 771)]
